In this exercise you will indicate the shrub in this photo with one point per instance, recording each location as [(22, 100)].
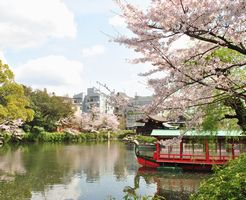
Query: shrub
[(44, 137), (39, 134), (145, 139), (5, 137), (70, 137), (82, 137), (37, 130), (124, 133), (91, 136), (51, 137), (228, 183), (26, 128), (29, 137)]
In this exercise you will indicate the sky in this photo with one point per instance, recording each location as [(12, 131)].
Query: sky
[(64, 46)]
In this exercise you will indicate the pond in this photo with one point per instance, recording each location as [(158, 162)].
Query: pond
[(88, 171)]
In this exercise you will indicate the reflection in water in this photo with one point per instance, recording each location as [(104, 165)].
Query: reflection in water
[(174, 186), (11, 163), (81, 171)]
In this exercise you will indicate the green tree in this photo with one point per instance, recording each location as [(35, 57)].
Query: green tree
[(227, 109), (227, 183), (48, 109), (13, 102)]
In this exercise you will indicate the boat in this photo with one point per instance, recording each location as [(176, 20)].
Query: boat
[(191, 150)]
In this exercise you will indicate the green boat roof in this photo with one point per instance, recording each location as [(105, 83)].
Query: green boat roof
[(193, 133)]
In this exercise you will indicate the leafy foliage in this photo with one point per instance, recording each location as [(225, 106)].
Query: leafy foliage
[(13, 102), (126, 133), (48, 109), (40, 135), (146, 139), (214, 119), (226, 184)]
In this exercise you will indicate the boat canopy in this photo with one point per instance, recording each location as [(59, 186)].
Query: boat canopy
[(188, 134)]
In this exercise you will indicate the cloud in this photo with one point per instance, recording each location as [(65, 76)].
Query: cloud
[(117, 21), (2, 58), (29, 23), (93, 51), (91, 6), (71, 190), (56, 73)]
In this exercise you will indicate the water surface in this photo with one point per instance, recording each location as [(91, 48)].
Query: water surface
[(87, 171)]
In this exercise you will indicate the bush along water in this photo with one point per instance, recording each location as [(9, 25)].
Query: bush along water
[(39, 134), (228, 183)]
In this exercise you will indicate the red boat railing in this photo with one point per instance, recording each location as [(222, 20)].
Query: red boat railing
[(203, 155), (193, 158)]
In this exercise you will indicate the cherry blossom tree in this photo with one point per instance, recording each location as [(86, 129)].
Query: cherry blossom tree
[(93, 121), (210, 70), (12, 128)]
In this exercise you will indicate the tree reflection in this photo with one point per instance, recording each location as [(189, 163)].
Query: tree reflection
[(126, 162), (132, 191), (10, 164), (169, 185), (58, 171), (35, 168)]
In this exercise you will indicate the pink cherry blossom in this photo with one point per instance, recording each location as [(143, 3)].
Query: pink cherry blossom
[(193, 76)]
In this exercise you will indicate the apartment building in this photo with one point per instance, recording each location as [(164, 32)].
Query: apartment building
[(92, 99)]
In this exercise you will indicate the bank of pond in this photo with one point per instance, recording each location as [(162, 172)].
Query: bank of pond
[(43, 136)]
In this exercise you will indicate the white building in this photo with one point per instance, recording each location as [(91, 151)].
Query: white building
[(131, 113), (94, 99), (78, 99)]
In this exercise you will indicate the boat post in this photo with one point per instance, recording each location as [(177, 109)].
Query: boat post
[(157, 150), (207, 149), (233, 150), (181, 150)]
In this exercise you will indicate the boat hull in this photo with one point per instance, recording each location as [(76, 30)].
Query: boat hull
[(151, 163), (147, 162)]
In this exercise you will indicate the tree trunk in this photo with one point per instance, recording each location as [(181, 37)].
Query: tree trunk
[(240, 109)]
